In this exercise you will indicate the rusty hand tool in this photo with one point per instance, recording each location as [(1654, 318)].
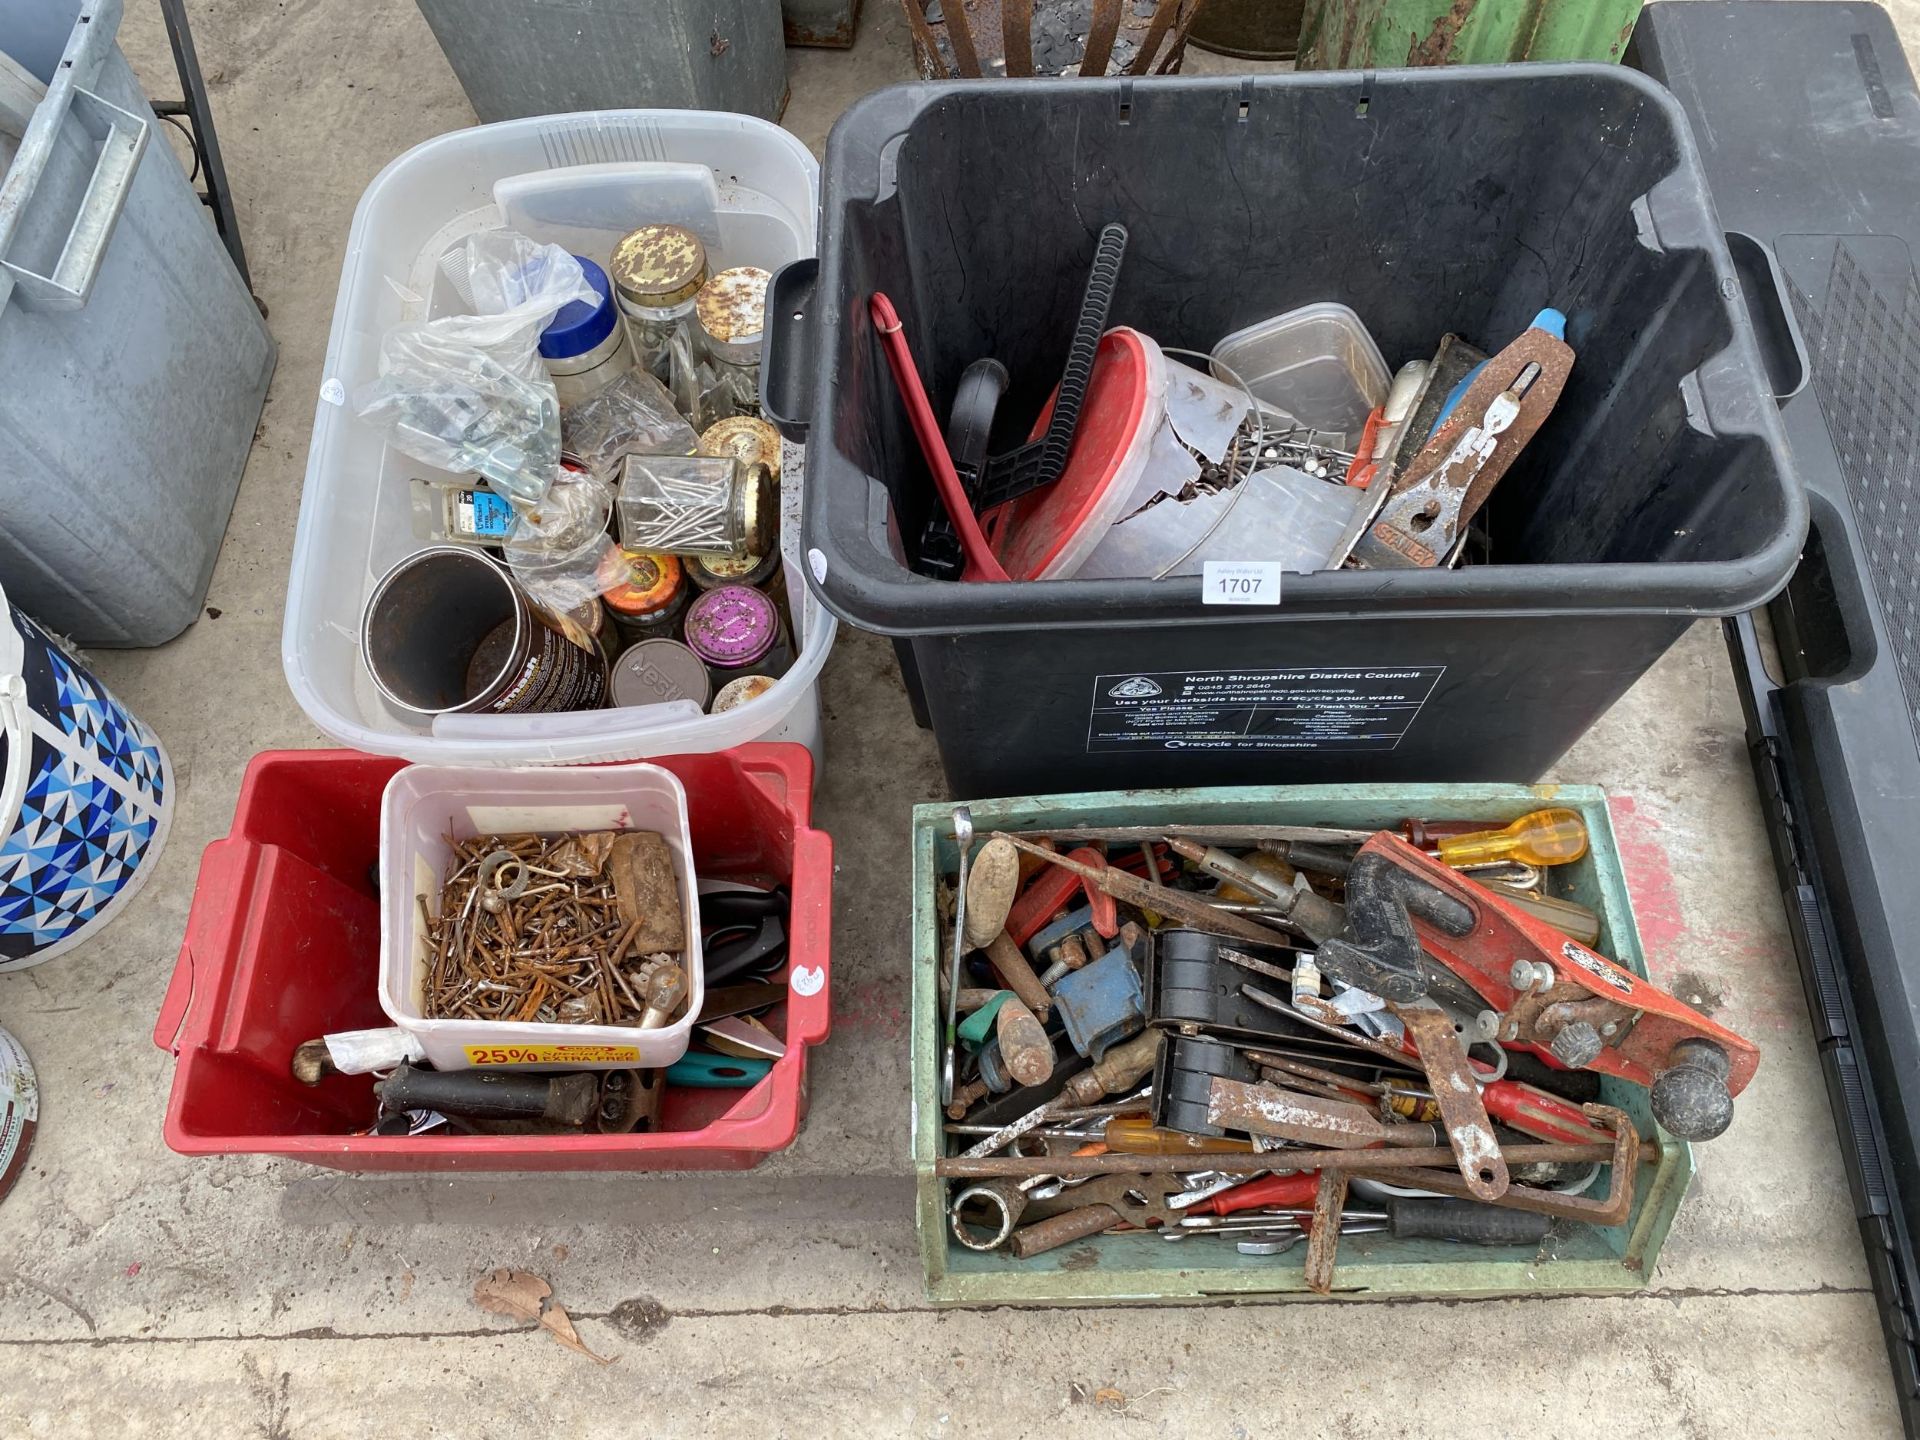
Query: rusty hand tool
[(985, 1164), (1576, 1008), (1136, 1200), (1010, 963), (567, 1100), (983, 1215), (1189, 910), (1122, 1066), (629, 1101), (1614, 1210), (1457, 1092), (1323, 1238), (1308, 1119), (1315, 916)]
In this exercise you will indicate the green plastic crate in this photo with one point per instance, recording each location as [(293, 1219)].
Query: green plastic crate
[(1126, 1269)]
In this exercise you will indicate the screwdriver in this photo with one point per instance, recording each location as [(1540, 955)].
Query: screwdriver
[(1465, 1222), (1544, 837), (1137, 1135), (1522, 1107)]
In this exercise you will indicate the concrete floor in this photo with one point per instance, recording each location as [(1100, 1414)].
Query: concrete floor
[(146, 1294)]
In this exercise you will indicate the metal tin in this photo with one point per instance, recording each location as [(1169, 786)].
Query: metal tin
[(19, 1110), (736, 693), (658, 267), (747, 437), (710, 572), (655, 671), (657, 274), (732, 308), (646, 593), (448, 630), (733, 628), (732, 314)]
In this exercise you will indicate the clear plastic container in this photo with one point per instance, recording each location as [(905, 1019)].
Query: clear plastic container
[(424, 805), (748, 189), (1317, 365)]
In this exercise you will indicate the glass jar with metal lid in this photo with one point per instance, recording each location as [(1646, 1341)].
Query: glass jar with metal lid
[(732, 314), (645, 594), (749, 438), (697, 505), (657, 272)]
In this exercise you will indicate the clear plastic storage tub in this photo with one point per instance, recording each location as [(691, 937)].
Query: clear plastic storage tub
[(749, 189), (424, 805)]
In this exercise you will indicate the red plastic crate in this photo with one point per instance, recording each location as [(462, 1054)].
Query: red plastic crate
[(283, 945)]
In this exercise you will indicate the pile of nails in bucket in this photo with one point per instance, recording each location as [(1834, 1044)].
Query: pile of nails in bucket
[(582, 929), (636, 562), (1270, 1035)]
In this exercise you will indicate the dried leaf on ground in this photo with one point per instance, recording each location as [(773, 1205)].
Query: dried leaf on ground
[(522, 1295), (560, 1326), (518, 1293)]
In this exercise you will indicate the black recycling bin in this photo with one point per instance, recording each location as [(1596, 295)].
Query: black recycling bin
[(1431, 201)]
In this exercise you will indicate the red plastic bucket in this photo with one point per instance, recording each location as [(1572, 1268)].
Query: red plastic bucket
[(283, 945)]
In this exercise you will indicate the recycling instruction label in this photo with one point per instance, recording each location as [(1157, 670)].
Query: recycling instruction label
[(1304, 709)]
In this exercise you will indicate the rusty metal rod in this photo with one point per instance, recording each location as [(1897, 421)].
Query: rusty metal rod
[(960, 1167)]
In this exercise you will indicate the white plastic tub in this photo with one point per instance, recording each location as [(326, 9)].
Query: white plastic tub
[(754, 205), (424, 804)]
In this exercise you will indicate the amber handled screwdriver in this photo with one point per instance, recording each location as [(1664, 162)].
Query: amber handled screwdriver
[(1544, 837)]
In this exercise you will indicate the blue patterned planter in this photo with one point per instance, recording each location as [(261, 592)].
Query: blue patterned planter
[(85, 802)]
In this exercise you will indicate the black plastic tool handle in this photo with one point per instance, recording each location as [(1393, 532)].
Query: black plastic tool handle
[(1466, 1222), (491, 1094)]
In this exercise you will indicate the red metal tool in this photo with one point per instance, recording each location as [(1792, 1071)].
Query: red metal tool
[(1576, 1008), (1276, 1191), (981, 564), (1048, 892)]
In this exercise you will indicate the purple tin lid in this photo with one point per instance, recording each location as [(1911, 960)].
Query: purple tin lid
[(731, 626)]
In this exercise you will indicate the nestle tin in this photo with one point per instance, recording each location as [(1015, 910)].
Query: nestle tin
[(738, 631), (655, 671), (448, 630)]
